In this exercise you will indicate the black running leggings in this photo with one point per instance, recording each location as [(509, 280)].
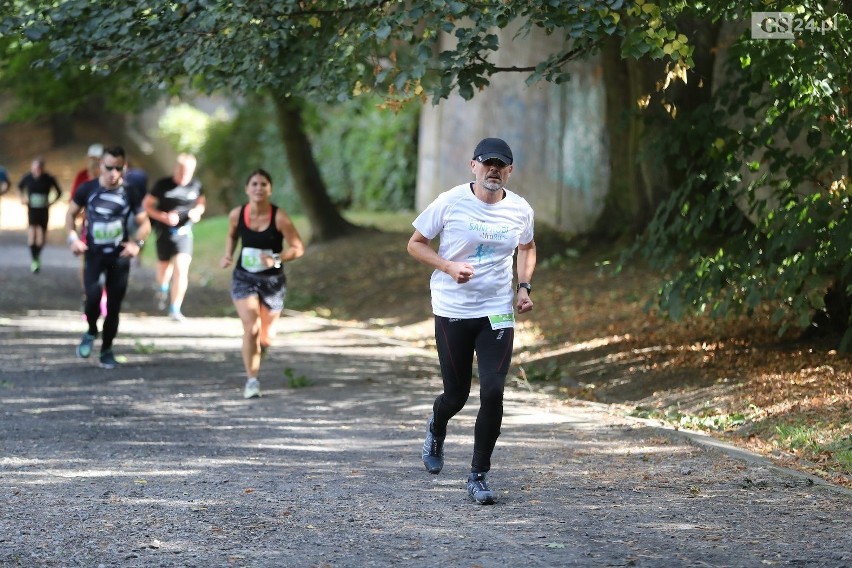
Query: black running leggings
[(116, 270), (457, 341)]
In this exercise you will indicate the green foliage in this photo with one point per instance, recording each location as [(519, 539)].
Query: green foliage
[(548, 372), (818, 441), (144, 348), (842, 450), (41, 91), (708, 419), (185, 127), (797, 436), (462, 65), (367, 154), (762, 219), (295, 381), (250, 140), (331, 50)]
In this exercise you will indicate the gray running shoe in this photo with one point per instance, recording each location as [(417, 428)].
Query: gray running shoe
[(176, 315), (433, 450), (85, 347), (162, 299), (108, 360), (252, 389), (478, 489)]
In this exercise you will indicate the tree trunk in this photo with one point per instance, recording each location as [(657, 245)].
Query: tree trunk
[(626, 209), (835, 320), (640, 177), (326, 221)]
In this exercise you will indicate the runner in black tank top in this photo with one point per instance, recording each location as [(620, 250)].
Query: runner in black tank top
[(258, 282)]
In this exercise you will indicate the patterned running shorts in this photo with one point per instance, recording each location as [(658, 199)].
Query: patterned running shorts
[(270, 289)]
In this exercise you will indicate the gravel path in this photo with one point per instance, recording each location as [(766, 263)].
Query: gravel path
[(162, 463)]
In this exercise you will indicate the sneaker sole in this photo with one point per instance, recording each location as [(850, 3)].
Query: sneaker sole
[(119, 361)]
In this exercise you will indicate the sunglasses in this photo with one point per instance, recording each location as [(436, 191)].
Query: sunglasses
[(113, 168), (494, 162)]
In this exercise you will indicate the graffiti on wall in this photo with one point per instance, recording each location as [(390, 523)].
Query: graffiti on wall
[(557, 134)]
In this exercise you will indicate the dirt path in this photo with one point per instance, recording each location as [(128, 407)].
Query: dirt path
[(162, 463)]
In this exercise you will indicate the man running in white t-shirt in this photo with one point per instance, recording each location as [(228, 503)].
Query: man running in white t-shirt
[(481, 224)]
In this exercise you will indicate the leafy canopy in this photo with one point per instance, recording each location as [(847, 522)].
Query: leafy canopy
[(331, 49)]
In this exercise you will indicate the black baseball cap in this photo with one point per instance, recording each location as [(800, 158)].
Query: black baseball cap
[(493, 148)]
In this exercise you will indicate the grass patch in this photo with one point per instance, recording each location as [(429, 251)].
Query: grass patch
[(707, 420), (798, 436), (843, 454), (819, 442), (547, 372), (144, 348), (295, 381)]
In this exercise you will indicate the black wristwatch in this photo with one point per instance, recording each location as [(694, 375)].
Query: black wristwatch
[(140, 243), (526, 285)]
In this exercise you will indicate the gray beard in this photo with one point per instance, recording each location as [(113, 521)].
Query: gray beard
[(492, 186)]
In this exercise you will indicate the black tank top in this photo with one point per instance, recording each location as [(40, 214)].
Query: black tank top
[(269, 239)]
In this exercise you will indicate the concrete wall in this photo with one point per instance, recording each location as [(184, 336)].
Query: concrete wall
[(557, 134)]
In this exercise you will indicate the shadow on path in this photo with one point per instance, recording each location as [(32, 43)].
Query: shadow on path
[(162, 463)]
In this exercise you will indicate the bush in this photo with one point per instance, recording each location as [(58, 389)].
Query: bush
[(367, 156), (762, 219)]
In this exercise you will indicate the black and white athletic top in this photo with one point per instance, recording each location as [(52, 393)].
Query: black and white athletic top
[(107, 213)]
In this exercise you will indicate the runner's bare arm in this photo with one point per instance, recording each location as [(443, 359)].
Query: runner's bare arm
[(231, 238), (526, 267), (77, 246), (295, 246)]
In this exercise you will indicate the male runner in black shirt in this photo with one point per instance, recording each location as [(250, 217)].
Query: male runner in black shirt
[(108, 247), (35, 188), (174, 204)]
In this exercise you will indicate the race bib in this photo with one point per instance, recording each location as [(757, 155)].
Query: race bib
[(251, 260), (38, 200), (502, 321), (107, 233)]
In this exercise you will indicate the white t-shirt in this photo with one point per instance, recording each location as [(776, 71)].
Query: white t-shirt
[(483, 235)]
